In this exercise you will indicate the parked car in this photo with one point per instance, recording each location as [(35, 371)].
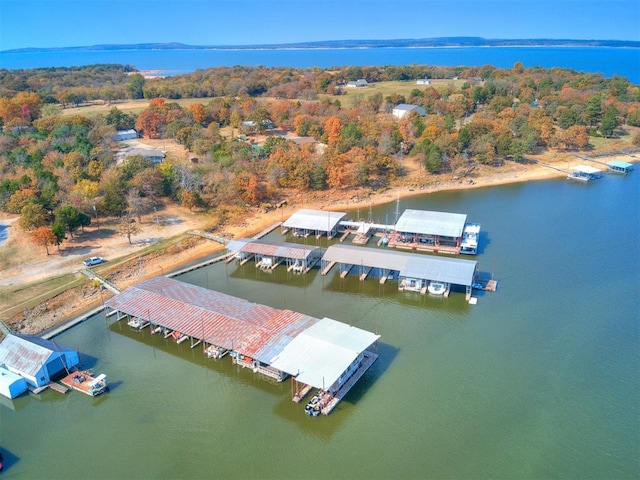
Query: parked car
[(90, 262)]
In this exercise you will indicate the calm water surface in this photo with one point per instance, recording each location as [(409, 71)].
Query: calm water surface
[(538, 380), (605, 60)]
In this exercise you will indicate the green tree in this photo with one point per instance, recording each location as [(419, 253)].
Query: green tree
[(135, 87), (609, 122), (433, 162), (593, 110), (70, 218), (120, 120), (633, 118)]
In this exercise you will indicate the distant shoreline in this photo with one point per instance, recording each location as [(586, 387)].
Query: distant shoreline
[(453, 42)]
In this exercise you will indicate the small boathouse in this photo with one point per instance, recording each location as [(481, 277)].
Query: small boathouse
[(268, 254), (439, 232), (618, 166), (313, 222), (35, 359), (413, 271), (269, 341), (584, 173)]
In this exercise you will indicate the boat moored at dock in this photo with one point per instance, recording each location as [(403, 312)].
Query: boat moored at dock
[(470, 238), (84, 382)]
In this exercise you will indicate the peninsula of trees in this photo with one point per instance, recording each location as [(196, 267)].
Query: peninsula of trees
[(59, 170)]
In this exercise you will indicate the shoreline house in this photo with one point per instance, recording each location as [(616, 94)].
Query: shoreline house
[(35, 359), (404, 109)]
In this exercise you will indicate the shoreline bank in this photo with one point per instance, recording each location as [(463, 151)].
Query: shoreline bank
[(58, 316)]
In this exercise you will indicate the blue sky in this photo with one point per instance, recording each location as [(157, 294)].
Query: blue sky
[(63, 23)]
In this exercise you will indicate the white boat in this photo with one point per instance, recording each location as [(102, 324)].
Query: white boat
[(437, 288), (137, 323), (470, 236)]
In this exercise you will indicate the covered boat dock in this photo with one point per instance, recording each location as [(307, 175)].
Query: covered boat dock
[(439, 232), (413, 271), (256, 336), (268, 254), (584, 173), (619, 166), (313, 222)]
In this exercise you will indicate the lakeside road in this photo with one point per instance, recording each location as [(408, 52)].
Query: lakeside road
[(72, 304)]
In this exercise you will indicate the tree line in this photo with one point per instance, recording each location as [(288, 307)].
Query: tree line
[(59, 170)]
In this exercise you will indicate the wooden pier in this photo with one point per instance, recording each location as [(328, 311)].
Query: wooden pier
[(328, 268), (345, 272), (58, 388), (365, 273)]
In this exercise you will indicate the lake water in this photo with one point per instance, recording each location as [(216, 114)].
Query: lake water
[(538, 380), (605, 60), (4, 233)]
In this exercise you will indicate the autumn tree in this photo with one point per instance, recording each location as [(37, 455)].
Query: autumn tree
[(20, 198), (44, 236), (33, 216)]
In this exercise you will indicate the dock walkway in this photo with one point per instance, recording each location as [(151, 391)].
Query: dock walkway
[(369, 358)]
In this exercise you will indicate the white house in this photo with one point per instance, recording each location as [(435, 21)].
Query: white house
[(35, 359), (404, 109), (423, 81), (358, 83), (122, 135)]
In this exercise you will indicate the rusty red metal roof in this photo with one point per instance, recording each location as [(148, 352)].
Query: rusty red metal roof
[(251, 329), (272, 249)]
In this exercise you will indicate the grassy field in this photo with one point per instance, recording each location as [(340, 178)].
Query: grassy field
[(91, 109), (25, 296)]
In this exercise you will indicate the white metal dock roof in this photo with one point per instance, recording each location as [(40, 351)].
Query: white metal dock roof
[(426, 222), (413, 265), (320, 354), (314, 220), (272, 249), (586, 169)]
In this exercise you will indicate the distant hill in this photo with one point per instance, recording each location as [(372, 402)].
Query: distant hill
[(409, 42)]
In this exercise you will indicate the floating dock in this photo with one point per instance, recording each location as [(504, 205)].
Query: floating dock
[(271, 342)]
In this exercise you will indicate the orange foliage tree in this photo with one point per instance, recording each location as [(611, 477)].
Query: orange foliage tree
[(44, 237)]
